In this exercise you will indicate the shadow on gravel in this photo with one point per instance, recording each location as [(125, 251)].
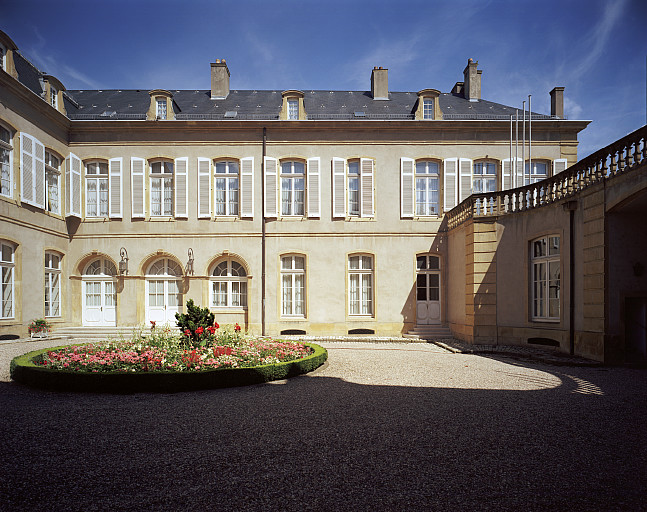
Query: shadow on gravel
[(322, 443)]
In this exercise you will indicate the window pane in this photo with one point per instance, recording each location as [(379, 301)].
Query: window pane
[(233, 196), (221, 196), (354, 294), (299, 296), (539, 248), (421, 262), (353, 262), (434, 262), (421, 287), (553, 245), (286, 287)]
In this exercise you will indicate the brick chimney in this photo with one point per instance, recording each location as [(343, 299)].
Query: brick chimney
[(219, 80), (380, 83), (557, 102), (472, 81)]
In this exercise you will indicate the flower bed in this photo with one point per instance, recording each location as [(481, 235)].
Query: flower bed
[(164, 361)]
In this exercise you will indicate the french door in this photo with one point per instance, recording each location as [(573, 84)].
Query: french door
[(99, 303), (428, 296)]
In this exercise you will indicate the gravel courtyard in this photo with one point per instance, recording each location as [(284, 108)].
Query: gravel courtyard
[(379, 427)]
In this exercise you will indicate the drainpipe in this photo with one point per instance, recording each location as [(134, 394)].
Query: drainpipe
[(263, 232)]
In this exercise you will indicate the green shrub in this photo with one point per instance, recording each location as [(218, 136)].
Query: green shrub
[(196, 325)]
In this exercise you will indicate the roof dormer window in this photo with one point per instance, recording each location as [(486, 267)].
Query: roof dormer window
[(160, 111), (428, 108), (292, 108), (53, 97), (161, 106)]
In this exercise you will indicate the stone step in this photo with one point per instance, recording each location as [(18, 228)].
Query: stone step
[(429, 331), (94, 332)]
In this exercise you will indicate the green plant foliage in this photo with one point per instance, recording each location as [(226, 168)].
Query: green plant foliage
[(196, 324)]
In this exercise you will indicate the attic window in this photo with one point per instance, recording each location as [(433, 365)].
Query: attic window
[(231, 113), (360, 114)]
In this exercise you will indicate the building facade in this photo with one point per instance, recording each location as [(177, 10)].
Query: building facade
[(289, 212)]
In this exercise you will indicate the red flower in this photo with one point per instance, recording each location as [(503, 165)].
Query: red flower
[(216, 325), (187, 332), (199, 331), (152, 324), (211, 329), (237, 328)]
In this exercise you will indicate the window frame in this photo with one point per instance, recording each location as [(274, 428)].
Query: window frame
[(161, 107), (428, 177), (292, 178), (53, 96), (297, 303), (228, 280), (161, 177), (8, 267), (227, 176), (97, 178), (540, 288), (532, 178), (292, 108), (493, 178), (8, 148), (52, 284), (428, 108), (50, 171), (365, 300)]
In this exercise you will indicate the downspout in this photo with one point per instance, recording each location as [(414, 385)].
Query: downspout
[(263, 232)]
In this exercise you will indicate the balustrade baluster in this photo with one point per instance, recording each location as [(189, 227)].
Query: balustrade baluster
[(621, 160), (630, 157), (614, 165)]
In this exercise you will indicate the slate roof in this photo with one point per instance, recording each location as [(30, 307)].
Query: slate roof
[(131, 104)]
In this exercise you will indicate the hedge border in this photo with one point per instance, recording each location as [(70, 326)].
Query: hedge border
[(25, 371)]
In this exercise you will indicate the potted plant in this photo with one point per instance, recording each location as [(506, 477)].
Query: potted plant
[(39, 328)]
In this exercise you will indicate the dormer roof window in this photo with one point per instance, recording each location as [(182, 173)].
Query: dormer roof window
[(161, 106), (293, 107), (428, 108), (160, 111)]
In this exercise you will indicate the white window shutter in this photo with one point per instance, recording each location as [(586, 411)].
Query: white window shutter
[(450, 175), (73, 186), (247, 187), (271, 183), (466, 179), (407, 187), (338, 188), (115, 174), (181, 188), (32, 171), (314, 187), (366, 179), (559, 165), (137, 187), (506, 178), (39, 174), (204, 188)]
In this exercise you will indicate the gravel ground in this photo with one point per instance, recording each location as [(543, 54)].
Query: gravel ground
[(379, 427)]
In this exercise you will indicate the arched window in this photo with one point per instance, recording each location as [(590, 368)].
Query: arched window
[(7, 265), (293, 285), (228, 285), (164, 293)]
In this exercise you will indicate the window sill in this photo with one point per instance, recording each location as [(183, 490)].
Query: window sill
[(353, 218), (96, 219), (225, 218), (228, 309), (361, 317), (546, 320), (293, 318), (161, 218)]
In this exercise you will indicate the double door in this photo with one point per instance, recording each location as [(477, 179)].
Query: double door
[(428, 296), (99, 303)]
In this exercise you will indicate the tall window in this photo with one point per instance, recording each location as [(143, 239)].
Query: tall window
[(161, 188), (353, 187), (160, 108), (227, 188), (52, 284), (53, 97), (6, 162), (228, 285), (96, 189), (293, 282), (7, 269), (360, 285), (484, 177), (427, 187), (537, 172), (53, 179), (293, 109), (293, 188), (545, 259), (428, 108)]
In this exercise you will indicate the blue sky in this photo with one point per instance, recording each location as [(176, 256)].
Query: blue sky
[(596, 49)]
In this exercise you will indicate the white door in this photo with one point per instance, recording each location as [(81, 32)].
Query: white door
[(99, 303), (163, 300), (428, 311)]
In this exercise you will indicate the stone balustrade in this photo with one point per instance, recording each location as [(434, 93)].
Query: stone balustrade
[(617, 158)]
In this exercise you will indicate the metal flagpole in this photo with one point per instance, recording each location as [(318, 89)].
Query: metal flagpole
[(523, 143), (529, 133)]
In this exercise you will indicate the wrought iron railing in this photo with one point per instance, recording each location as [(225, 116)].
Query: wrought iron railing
[(622, 156)]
